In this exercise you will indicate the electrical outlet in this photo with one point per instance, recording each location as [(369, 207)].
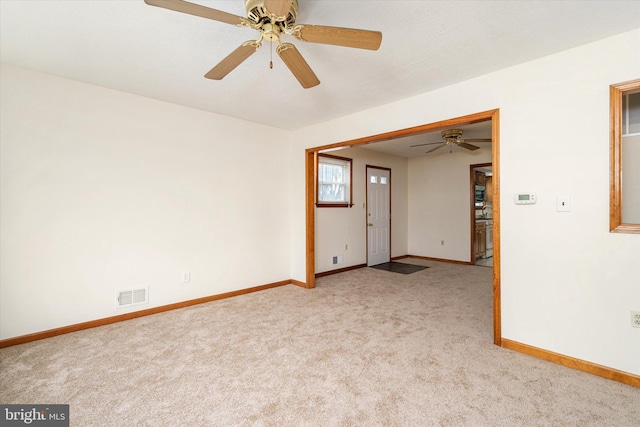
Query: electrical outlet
[(186, 277), (635, 319)]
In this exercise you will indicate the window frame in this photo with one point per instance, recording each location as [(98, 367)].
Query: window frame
[(616, 92), (326, 204)]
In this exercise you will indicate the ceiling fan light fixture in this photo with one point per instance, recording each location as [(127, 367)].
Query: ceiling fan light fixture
[(271, 32)]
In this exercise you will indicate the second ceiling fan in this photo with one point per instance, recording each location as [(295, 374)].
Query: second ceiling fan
[(274, 18), (453, 137)]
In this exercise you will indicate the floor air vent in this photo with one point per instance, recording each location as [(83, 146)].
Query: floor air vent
[(131, 297)]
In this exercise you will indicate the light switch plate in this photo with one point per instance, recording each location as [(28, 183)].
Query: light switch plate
[(563, 204)]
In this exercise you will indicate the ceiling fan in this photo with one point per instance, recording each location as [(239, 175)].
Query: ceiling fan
[(274, 18), (453, 137)]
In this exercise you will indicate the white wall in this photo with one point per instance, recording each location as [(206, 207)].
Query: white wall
[(337, 227), (439, 204), (568, 285), (102, 190)]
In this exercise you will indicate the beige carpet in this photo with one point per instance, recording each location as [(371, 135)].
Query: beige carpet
[(366, 347)]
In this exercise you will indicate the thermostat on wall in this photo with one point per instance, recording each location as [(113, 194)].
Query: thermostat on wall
[(525, 198)]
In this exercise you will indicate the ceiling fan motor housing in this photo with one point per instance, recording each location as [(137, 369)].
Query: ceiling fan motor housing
[(451, 133), (258, 14)]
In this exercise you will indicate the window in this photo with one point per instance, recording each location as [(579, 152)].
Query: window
[(631, 114), (333, 188), (624, 202)]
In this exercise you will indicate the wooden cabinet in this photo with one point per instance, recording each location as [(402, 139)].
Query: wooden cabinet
[(481, 178), (480, 243)]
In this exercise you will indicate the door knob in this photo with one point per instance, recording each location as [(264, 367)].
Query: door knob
[(370, 225)]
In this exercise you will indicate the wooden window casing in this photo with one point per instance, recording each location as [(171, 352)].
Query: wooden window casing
[(617, 92)]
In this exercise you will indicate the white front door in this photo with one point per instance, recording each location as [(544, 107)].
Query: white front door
[(378, 215)]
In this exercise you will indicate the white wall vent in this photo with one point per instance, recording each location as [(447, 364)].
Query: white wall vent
[(131, 297)]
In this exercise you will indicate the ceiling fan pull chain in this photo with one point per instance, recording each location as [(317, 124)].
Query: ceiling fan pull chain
[(271, 60)]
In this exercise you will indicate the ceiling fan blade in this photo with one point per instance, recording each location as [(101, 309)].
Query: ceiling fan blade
[(279, 8), (477, 140), (436, 148), (429, 143), (298, 66), (467, 146), (198, 10), (348, 37), (234, 59)]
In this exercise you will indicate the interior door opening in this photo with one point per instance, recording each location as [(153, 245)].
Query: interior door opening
[(493, 116), (481, 178)]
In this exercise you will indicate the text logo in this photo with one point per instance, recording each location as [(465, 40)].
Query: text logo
[(34, 415)]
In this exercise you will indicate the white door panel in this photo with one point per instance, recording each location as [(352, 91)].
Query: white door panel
[(378, 215)]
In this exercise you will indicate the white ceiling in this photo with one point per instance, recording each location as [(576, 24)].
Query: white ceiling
[(157, 53)]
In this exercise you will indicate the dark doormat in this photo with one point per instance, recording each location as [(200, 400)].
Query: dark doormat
[(399, 267)]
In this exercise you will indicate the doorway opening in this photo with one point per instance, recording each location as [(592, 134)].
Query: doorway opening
[(481, 178), (310, 179)]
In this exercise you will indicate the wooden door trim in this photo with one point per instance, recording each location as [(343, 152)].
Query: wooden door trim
[(492, 115), (310, 183), (495, 191)]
